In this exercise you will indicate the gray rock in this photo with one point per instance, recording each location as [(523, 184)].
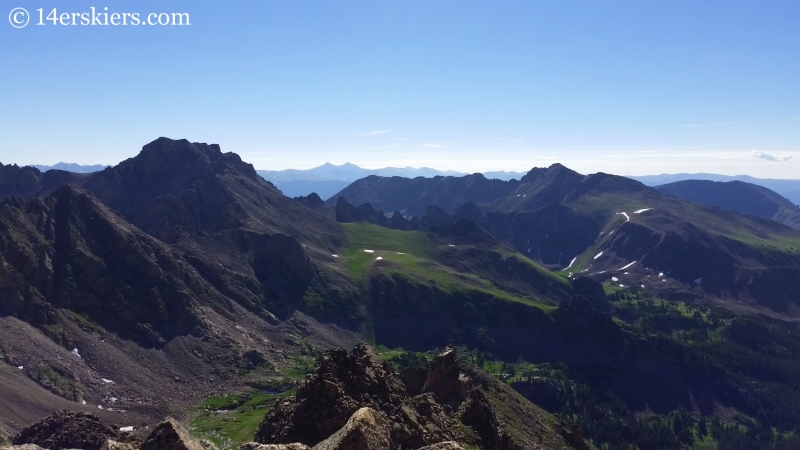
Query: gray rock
[(365, 430), (170, 435)]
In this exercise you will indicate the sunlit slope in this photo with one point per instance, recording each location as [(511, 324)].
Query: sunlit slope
[(460, 260)]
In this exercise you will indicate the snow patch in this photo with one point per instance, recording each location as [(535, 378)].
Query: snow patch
[(106, 381), (642, 210), (450, 245), (572, 262), (126, 429), (75, 352), (627, 218), (369, 251), (400, 253), (335, 256), (21, 367), (623, 268), (615, 279), (698, 281), (598, 255), (83, 402), (660, 274), (379, 258)]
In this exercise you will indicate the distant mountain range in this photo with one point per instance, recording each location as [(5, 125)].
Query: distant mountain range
[(329, 179), (71, 167), (787, 188), (737, 196)]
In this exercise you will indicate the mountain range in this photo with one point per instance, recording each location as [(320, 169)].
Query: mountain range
[(593, 309), (329, 179), (790, 189)]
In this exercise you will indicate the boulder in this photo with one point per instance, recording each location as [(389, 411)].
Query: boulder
[(170, 435), (365, 430), (67, 429)]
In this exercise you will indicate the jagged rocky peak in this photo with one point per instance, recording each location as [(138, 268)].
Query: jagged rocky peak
[(556, 170), (167, 162)]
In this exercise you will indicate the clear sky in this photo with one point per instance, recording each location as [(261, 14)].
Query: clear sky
[(627, 87)]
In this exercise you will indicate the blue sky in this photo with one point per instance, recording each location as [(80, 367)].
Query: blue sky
[(622, 87)]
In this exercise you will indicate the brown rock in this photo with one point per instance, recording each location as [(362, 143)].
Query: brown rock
[(477, 413), (22, 447), (449, 445), (67, 429), (257, 446), (170, 435), (365, 430), (115, 445), (342, 383), (444, 378)]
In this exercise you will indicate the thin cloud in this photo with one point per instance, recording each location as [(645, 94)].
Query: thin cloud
[(374, 133), (383, 146), (434, 145), (770, 157)]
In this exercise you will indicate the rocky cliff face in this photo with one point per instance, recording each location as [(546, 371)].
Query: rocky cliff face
[(69, 251)]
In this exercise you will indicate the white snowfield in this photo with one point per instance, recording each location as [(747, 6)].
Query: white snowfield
[(598, 255), (615, 279), (378, 258), (126, 429), (75, 352), (642, 210), (572, 262), (106, 381), (369, 251), (335, 256), (623, 268), (627, 218)]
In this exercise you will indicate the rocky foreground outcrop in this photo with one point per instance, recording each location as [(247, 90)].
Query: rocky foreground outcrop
[(84, 431), (67, 429), (356, 401)]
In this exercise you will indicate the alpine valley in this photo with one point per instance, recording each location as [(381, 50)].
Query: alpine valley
[(181, 300)]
